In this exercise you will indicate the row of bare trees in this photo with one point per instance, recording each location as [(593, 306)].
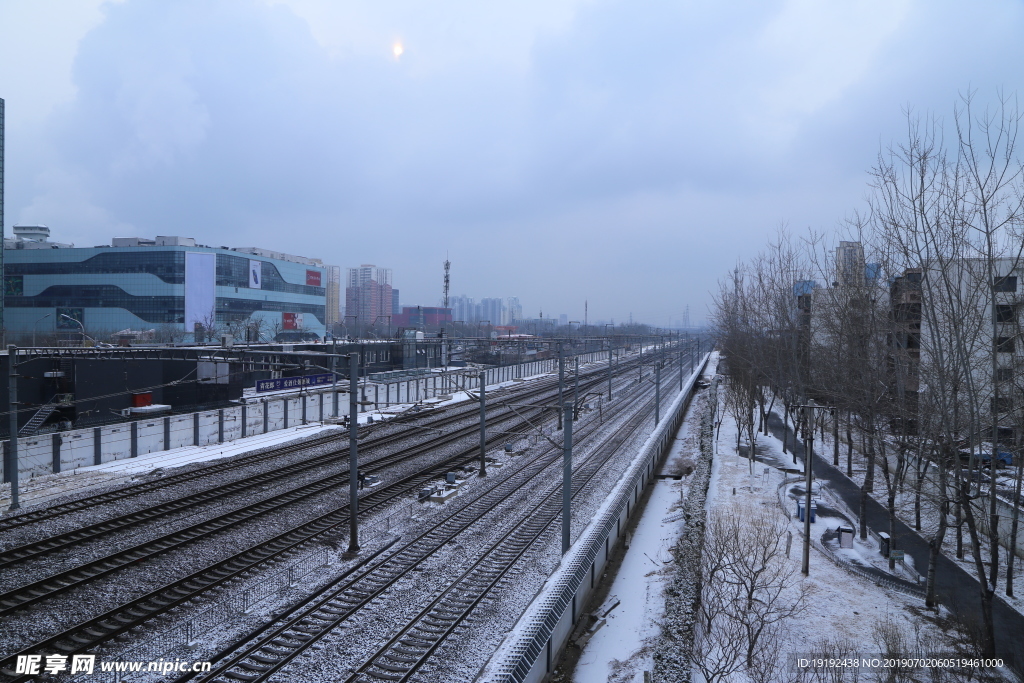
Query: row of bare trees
[(910, 331)]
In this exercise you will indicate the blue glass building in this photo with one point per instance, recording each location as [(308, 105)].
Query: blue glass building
[(169, 285)]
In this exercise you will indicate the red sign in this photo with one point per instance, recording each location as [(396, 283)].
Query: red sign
[(289, 321), (313, 278)]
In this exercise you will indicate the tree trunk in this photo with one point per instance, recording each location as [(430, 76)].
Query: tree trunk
[(835, 438), (1013, 524), (869, 485), (988, 629), (935, 542), (785, 427), (849, 445)]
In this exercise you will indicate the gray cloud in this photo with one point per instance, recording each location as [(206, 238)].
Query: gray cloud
[(620, 152)]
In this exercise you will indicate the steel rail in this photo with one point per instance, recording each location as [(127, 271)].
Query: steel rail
[(25, 552), (134, 613), (278, 642)]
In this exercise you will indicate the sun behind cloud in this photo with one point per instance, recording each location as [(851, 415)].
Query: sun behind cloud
[(397, 49)]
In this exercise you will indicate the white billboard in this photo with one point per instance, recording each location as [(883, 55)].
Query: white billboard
[(255, 274), (200, 289)]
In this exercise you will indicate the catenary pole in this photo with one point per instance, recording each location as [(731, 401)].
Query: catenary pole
[(566, 475), (483, 426), (657, 392), (12, 421), (610, 352), (353, 454), (576, 391), (561, 383)]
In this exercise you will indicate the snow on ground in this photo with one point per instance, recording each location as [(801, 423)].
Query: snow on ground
[(621, 648), (214, 451), (41, 490), (622, 644), (841, 604), (929, 514)]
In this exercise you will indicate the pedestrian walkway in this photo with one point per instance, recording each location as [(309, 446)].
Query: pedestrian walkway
[(955, 588)]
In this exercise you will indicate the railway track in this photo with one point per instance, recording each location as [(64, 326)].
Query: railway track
[(275, 645), (452, 415), (50, 512), (133, 614), (28, 551), (14, 556), (75, 577)]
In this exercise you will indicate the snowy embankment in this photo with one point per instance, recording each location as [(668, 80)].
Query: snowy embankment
[(672, 654)]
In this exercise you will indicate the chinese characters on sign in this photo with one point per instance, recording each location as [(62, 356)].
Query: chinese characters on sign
[(293, 382)]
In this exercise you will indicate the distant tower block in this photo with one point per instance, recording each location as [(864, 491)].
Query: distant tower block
[(686, 317)]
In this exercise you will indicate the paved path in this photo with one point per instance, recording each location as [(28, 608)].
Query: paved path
[(954, 587)]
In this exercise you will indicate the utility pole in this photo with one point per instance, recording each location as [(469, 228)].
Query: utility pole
[(353, 454), (807, 415), (566, 476), (657, 393), (334, 380), (561, 382), (641, 359), (12, 422), (483, 427), (680, 367), (805, 565), (610, 352), (576, 391)]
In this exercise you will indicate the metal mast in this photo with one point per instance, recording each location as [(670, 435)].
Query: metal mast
[(447, 281)]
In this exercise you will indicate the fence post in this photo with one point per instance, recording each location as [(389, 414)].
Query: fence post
[(244, 415), (135, 439), (167, 433), (55, 449), (195, 429), (97, 447), (220, 426)]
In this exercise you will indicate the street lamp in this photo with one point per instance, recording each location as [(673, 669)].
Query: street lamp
[(79, 323), (36, 325)]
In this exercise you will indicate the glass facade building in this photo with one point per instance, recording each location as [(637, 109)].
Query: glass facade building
[(109, 289)]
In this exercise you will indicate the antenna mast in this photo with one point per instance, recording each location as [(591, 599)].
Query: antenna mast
[(447, 280)]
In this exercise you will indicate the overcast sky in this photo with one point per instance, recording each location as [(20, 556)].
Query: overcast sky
[(621, 152)]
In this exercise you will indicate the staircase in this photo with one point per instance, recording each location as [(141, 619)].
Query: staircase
[(37, 420)]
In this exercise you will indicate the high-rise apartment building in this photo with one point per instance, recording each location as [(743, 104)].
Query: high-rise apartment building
[(492, 310), (514, 309), (368, 296), (333, 290), (850, 266), (463, 308)]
